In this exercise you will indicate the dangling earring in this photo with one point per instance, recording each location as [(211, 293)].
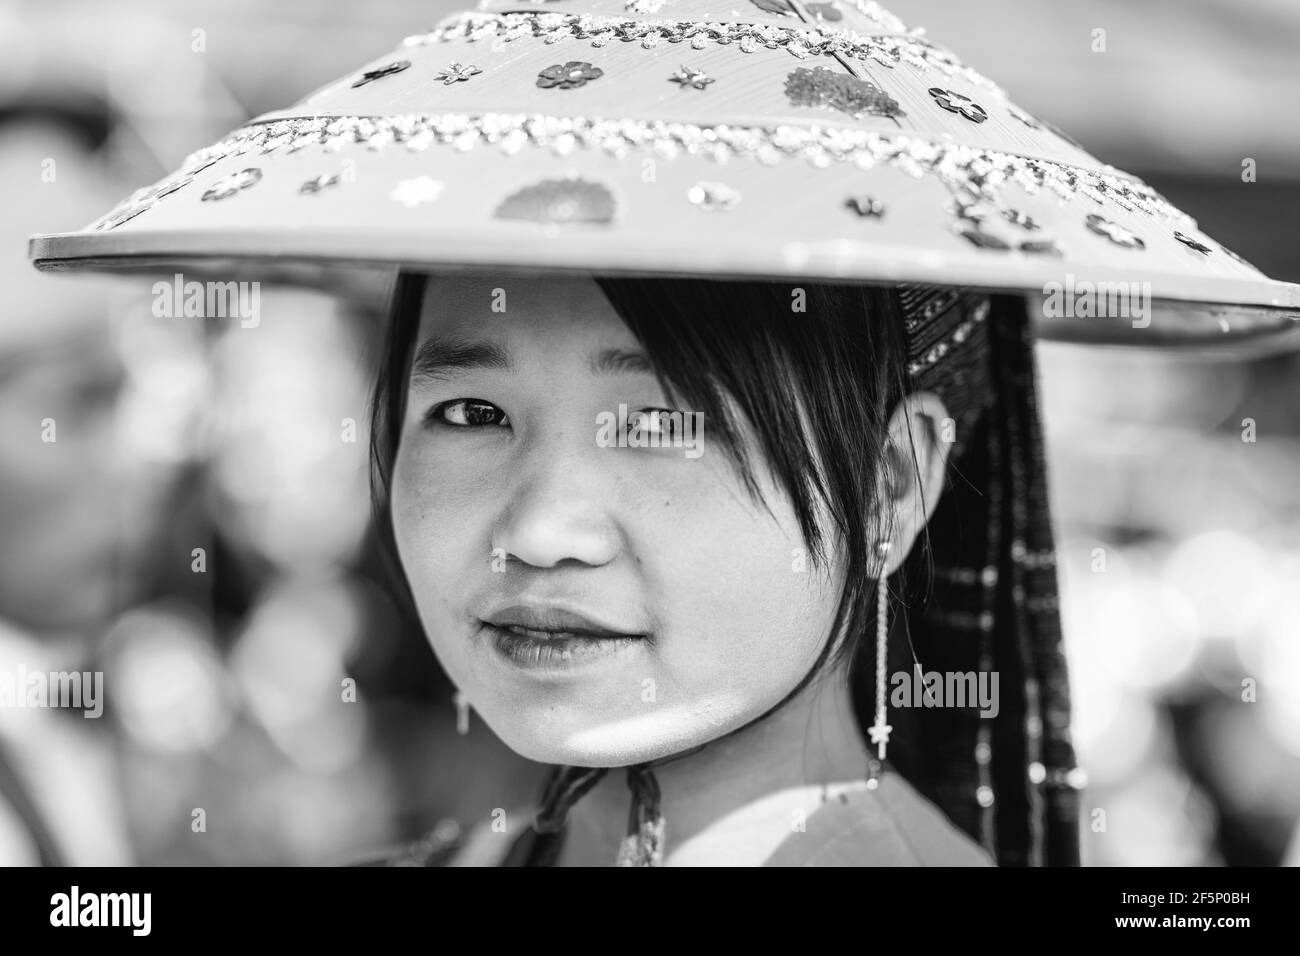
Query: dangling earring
[(880, 730), (462, 713)]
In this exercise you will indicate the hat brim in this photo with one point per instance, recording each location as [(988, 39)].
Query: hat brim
[(752, 176)]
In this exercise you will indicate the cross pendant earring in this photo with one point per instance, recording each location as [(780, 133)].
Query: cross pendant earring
[(879, 731)]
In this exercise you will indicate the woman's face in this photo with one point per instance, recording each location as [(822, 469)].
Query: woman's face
[(598, 604)]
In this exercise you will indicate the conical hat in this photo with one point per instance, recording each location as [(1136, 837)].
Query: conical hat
[(726, 138)]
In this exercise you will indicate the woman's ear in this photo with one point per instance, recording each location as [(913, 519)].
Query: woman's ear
[(911, 474)]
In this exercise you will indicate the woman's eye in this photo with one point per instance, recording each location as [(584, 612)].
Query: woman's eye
[(467, 413), (657, 421)]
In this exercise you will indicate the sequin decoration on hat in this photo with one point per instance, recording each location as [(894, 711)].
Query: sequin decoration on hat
[(319, 184), (696, 79), (457, 73), (492, 99), (599, 31), (866, 206), (569, 75), (379, 73), (1018, 218), (841, 91), (559, 202), (232, 184), (120, 215), (1041, 247), (984, 240), (1114, 232), (713, 197), (957, 103), (1192, 243)]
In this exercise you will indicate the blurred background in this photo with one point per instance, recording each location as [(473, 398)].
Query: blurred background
[(200, 530)]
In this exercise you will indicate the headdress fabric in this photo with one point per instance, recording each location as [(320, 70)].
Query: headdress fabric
[(981, 596)]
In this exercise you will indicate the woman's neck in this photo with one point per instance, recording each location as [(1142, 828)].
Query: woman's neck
[(713, 794)]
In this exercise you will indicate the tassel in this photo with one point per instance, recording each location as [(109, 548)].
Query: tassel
[(643, 845), (541, 843)]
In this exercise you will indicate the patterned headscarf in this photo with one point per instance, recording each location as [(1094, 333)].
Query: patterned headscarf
[(986, 601), (1009, 781)]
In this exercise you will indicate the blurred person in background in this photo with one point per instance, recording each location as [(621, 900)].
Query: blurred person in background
[(71, 508)]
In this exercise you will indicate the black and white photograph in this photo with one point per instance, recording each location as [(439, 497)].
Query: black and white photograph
[(651, 433)]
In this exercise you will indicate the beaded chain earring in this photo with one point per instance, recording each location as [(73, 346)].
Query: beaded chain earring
[(879, 731)]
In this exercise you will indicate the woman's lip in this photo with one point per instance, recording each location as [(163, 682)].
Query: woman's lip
[(542, 622), (554, 651), (544, 634)]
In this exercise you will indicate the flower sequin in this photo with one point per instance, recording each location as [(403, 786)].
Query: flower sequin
[(569, 75), (976, 235), (696, 79), (985, 240), (956, 103), (866, 206), (1018, 218), (713, 197), (319, 184), (457, 73), (1114, 232), (560, 202), (388, 69), (1041, 247), (1192, 243), (232, 184)]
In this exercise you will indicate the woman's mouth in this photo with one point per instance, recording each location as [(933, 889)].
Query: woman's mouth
[(552, 638)]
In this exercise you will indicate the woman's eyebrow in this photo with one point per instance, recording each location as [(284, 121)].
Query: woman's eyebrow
[(436, 357), (613, 361)]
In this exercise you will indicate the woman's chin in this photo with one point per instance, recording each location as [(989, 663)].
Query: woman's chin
[(578, 738)]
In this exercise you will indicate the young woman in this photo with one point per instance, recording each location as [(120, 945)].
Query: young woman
[(710, 621), (707, 437)]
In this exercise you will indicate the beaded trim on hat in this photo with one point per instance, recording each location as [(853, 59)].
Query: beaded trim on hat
[(967, 171), (600, 30)]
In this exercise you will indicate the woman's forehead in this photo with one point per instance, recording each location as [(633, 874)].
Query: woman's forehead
[(554, 306)]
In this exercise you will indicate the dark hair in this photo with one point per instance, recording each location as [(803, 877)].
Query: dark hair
[(816, 386)]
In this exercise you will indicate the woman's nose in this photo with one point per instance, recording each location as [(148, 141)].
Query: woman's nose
[(559, 509)]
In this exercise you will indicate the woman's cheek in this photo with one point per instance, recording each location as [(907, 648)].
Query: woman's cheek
[(439, 520), (740, 604), (445, 483)]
